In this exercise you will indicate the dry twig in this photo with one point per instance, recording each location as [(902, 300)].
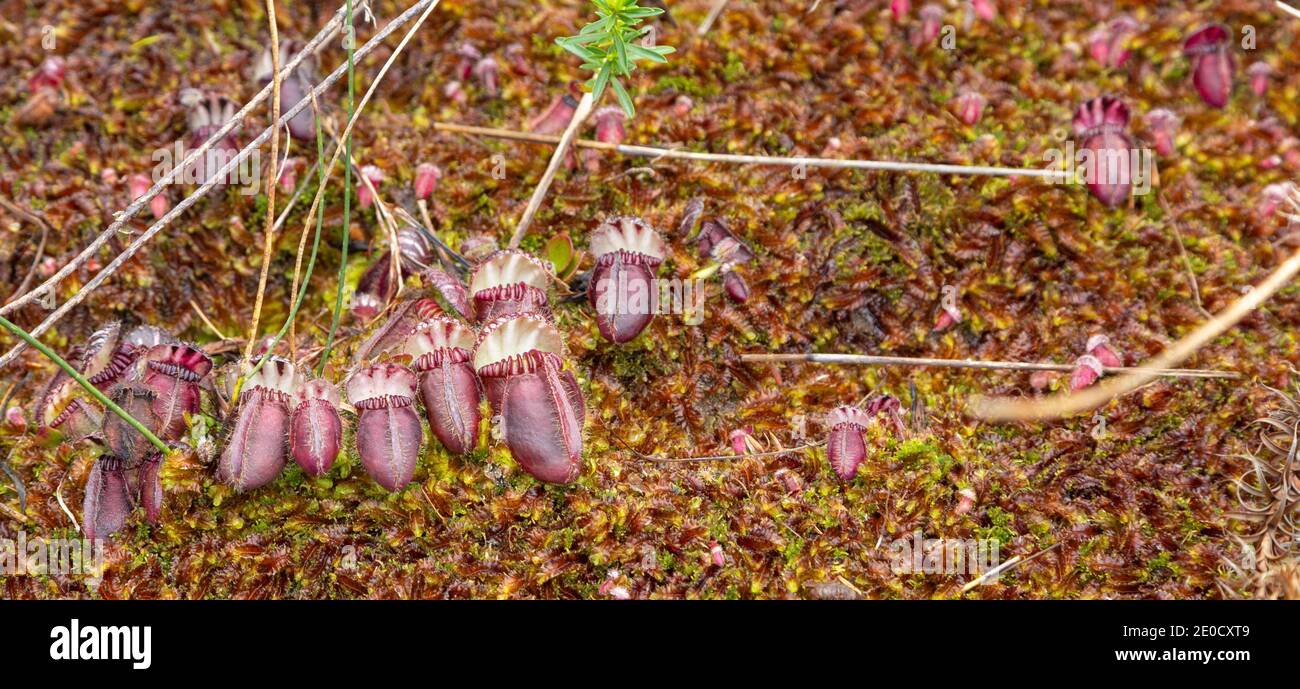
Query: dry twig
[(714, 11), (873, 360), (834, 163), (1172, 221), (1011, 409), (997, 571), (557, 158), (204, 317)]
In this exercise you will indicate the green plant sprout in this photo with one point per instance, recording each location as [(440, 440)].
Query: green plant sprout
[(609, 47)]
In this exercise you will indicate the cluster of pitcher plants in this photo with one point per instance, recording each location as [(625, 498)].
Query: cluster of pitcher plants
[(495, 338), (492, 337)]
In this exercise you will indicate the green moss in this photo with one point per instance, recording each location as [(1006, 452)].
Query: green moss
[(690, 86), (734, 69), (793, 548), (920, 453), (1000, 527), (1161, 565)]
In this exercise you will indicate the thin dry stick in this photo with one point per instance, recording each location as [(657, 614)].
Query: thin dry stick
[(840, 578), (1056, 406), (873, 360), (58, 495), (718, 6), (193, 198), (13, 513), (203, 317), (122, 217), (40, 247), (705, 458), (1004, 567), (835, 163), (557, 158), (433, 230), (424, 214), (271, 180), (1172, 220)]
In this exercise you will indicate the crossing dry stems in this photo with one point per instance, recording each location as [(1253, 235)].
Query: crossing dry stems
[(122, 217), (194, 197)]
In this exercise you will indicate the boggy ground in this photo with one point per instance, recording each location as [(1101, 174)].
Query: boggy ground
[(846, 262)]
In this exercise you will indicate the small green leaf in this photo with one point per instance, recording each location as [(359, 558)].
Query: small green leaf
[(583, 38), (560, 251), (642, 12), (642, 53), (620, 47), (597, 27), (581, 51), (599, 83), (623, 99)]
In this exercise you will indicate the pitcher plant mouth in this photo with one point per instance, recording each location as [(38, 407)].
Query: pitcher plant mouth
[(435, 334), (508, 267), (511, 336), (628, 253), (449, 388), (507, 282), (172, 373)]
